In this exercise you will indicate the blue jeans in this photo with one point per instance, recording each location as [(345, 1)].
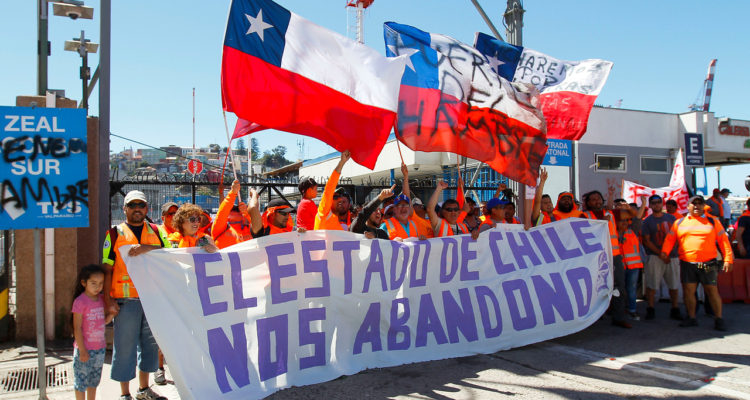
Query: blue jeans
[(133, 342), (631, 284)]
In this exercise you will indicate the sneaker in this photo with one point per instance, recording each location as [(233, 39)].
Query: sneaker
[(634, 316), (125, 397), (148, 394), (159, 377), (719, 324), (674, 314), (688, 322), (650, 313)]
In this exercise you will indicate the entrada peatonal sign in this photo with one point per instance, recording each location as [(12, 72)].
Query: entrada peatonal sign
[(44, 168)]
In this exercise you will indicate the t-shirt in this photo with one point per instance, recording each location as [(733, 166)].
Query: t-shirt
[(657, 229), (92, 313), (306, 214), (744, 222)]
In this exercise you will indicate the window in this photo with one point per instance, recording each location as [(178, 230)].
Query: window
[(654, 165), (611, 163)]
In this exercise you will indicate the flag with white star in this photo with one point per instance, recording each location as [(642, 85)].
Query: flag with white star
[(283, 72)]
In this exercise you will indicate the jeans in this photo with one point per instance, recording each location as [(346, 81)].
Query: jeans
[(133, 342), (631, 285)]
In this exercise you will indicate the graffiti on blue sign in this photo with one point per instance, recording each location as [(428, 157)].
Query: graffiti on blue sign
[(43, 168), (559, 153)]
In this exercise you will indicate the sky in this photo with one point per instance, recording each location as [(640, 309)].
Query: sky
[(161, 50)]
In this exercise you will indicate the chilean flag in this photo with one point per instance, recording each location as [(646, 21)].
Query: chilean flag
[(450, 100), (569, 88), (283, 72)]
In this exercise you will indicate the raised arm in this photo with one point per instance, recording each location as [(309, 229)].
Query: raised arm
[(358, 225), (434, 219), (326, 200), (642, 208), (405, 186), (500, 189), (253, 208), (537, 207), (222, 216)]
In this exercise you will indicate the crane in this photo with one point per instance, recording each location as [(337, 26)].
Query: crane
[(359, 7), (703, 100)]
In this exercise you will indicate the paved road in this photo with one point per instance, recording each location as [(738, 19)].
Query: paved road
[(655, 359)]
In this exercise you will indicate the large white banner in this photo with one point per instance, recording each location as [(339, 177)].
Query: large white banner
[(677, 189), (296, 309)]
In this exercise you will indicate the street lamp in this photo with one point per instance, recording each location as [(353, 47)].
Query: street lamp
[(83, 47)]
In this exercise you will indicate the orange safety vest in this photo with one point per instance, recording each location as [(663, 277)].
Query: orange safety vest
[(446, 229), (612, 230), (395, 229), (122, 286), (423, 226), (631, 255), (513, 220)]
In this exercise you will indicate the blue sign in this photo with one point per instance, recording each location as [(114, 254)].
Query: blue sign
[(694, 150), (559, 153), (44, 168)]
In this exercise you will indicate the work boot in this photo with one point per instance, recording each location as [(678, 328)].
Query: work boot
[(674, 313), (622, 324), (634, 316), (650, 313), (688, 322), (719, 324)]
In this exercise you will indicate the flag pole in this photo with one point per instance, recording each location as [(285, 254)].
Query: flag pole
[(229, 141)]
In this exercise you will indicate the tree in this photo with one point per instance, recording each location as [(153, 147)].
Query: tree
[(214, 148), (275, 158), (254, 148), (241, 148)]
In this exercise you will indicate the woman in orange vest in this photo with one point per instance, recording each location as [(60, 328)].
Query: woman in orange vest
[(631, 257), (187, 222)]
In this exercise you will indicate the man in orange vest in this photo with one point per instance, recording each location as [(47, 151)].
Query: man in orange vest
[(232, 223), (400, 226), (697, 236), (594, 202), (671, 206), (168, 210), (449, 224), (133, 340), (333, 210), (631, 256)]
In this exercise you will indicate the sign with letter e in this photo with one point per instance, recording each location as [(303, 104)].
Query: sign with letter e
[(694, 150), (43, 168)]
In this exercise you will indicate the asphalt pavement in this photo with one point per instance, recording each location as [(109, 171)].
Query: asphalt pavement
[(656, 359)]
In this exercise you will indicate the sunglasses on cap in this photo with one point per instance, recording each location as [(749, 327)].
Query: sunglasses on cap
[(136, 205)]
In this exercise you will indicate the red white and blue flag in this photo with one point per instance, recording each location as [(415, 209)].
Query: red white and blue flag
[(452, 101), (569, 88), (283, 72)]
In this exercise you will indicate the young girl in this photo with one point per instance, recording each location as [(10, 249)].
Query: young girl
[(88, 329)]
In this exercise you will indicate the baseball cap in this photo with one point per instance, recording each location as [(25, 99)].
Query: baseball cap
[(494, 202), (134, 195), (166, 206), (698, 199), (342, 192), (725, 190), (278, 203), (416, 202), (654, 198), (400, 198)]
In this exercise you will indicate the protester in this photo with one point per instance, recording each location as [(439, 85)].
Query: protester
[(307, 208), (594, 203), (726, 207), (370, 218), (565, 207), (133, 341), (275, 218), (232, 223), (655, 229), (671, 206), (168, 210), (449, 224), (90, 345), (496, 210), (540, 206), (743, 232), (510, 213), (400, 226), (333, 210), (631, 257), (697, 237), (472, 210), (187, 223), (716, 203)]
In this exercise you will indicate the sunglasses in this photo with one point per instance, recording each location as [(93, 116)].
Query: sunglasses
[(284, 212), (136, 205), (450, 209), (194, 219)]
